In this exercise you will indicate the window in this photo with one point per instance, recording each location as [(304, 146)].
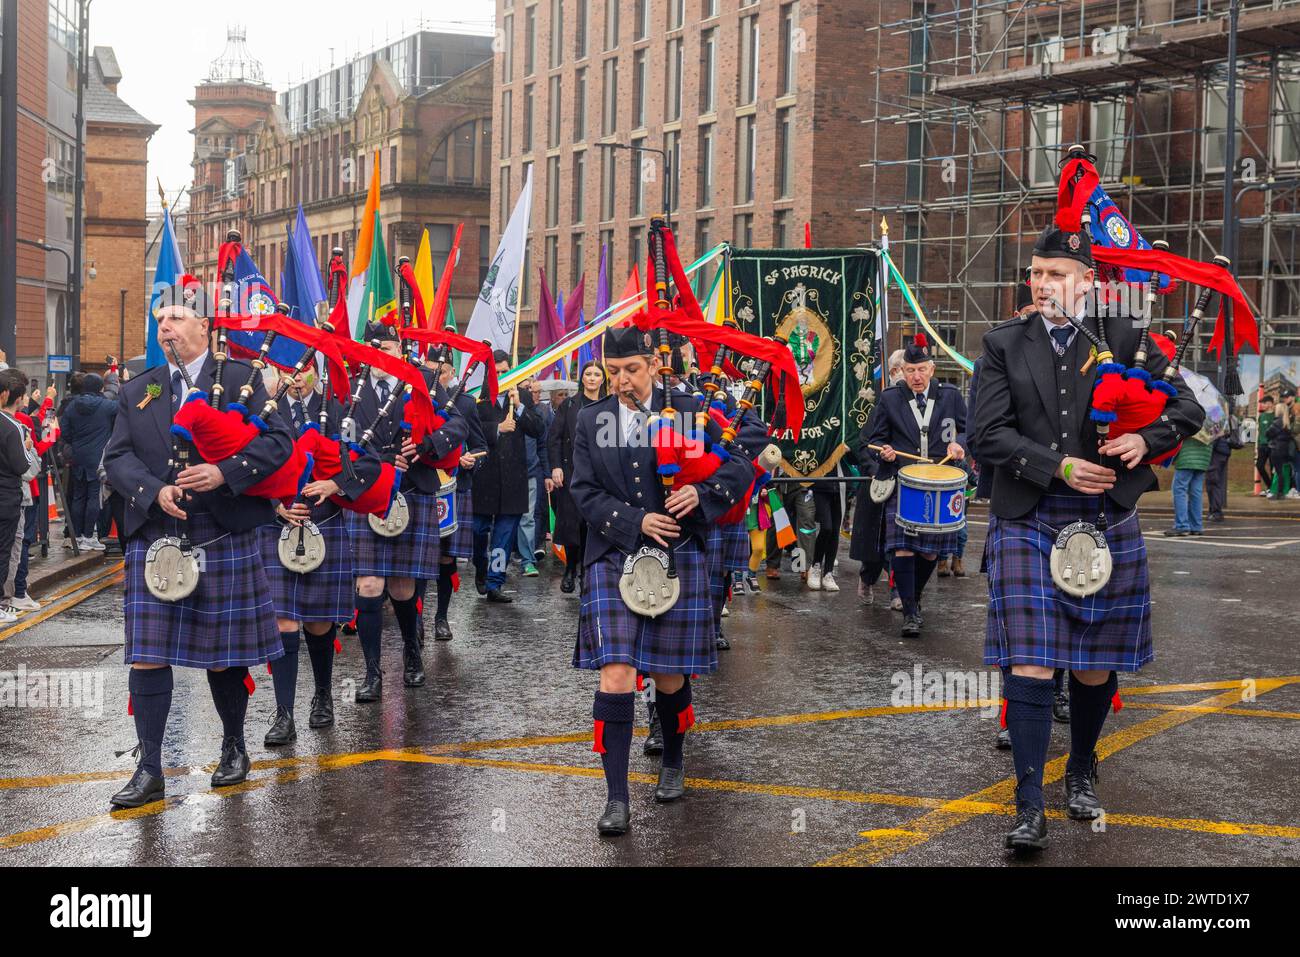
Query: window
[(1044, 143), (641, 24), (607, 247), (708, 8), (673, 86), (703, 236), (438, 166), (440, 238), (575, 261), (552, 191), (638, 89), (636, 250), (528, 118), (530, 39), (742, 231), (708, 70), (745, 156), (1216, 116), (1286, 124), (609, 98), (579, 184), (1109, 141), (557, 33), (580, 30), (507, 122), (485, 153), (552, 266), (704, 167), (676, 13), (673, 147), (580, 105), (640, 167), (611, 24), (554, 109), (792, 42), (606, 184), (463, 140), (507, 49), (784, 152), (484, 254), (748, 78), (392, 162), (504, 193), (781, 229)]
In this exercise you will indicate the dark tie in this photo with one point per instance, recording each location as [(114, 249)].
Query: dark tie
[(382, 388), (178, 386), (299, 420), (1062, 336), (920, 402)]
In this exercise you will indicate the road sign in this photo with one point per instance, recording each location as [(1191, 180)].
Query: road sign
[(60, 364)]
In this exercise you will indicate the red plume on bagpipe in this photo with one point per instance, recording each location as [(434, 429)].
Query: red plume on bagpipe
[(218, 434), (326, 464)]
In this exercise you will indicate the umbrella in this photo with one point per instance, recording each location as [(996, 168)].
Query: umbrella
[(1212, 401)]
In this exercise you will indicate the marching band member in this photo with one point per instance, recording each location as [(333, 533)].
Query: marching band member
[(228, 623), (1033, 428), (395, 563), (920, 417), (614, 484)]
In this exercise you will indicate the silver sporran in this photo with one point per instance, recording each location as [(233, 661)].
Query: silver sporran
[(881, 489), (645, 585), (171, 572), (395, 522), (1081, 562), (301, 547)]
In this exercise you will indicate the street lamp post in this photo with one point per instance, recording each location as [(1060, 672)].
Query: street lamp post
[(41, 244), (79, 176), (1229, 381), (121, 332)]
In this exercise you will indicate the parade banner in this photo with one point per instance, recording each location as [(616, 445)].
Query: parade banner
[(823, 303)]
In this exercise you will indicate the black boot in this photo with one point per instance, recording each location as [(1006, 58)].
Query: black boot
[(234, 764), (616, 819), (282, 730), (672, 784), (1004, 740), (372, 689), (1081, 801), (654, 740), (1030, 832), (721, 641), (412, 667), (480, 580), (322, 709), (566, 583), (441, 629), (1061, 706), (498, 596), (143, 788)]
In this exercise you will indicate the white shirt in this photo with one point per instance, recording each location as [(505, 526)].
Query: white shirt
[(1049, 326), (377, 377), (630, 421), (192, 369)]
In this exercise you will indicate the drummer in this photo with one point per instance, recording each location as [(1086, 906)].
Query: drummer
[(922, 418)]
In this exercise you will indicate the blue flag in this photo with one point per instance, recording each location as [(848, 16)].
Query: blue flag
[(310, 289), (1111, 228), (254, 296), (170, 268), (585, 353)]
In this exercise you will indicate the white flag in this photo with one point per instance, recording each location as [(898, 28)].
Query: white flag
[(497, 308)]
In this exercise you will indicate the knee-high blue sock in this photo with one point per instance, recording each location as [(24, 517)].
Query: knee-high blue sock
[(613, 714), (924, 568), (1089, 705), (370, 623), (1029, 719), (905, 582), (151, 700), (230, 695), (1058, 680), (676, 715), (445, 571), (284, 671), (320, 649), (408, 620)]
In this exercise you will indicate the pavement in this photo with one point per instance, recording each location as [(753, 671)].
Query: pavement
[(817, 743)]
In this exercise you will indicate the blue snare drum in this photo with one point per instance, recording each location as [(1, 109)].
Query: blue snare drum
[(446, 504), (931, 499)]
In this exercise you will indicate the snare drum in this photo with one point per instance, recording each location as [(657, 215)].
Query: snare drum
[(446, 504), (931, 499)]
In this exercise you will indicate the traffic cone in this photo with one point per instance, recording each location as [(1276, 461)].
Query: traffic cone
[(54, 505)]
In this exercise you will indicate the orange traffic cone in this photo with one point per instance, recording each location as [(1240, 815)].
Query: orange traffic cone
[(54, 505)]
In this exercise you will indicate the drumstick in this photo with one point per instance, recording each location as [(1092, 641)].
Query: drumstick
[(478, 455), (906, 455), (944, 460)]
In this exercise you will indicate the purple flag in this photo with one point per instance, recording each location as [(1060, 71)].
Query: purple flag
[(549, 329), (602, 303)]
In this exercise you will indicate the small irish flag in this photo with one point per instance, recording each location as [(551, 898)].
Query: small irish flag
[(780, 521)]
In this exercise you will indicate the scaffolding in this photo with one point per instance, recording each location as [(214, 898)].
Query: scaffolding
[(976, 100)]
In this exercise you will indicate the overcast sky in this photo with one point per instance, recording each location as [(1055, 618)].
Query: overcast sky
[(164, 50)]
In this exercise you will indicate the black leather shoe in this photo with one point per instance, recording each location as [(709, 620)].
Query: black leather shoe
[(233, 766), (1003, 742), (654, 740), (282, 730), (322, 709), (372, 689), (143, 788), (723, 644), (1030, 832), (566, 583), (672, 784), (412, 668), (1081, 801), (616, 819), (495, 595), (1061, 707), (441, 629), (480, 581), (911, 627)]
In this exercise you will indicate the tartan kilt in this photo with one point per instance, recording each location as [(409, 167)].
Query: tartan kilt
[(1032, 622), (227, 622), (413, 554), (727, 549), (325, 594), (460, 543), (682, 641), (925, 543)]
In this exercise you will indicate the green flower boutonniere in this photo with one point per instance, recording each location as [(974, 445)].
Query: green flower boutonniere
[(151, 392)]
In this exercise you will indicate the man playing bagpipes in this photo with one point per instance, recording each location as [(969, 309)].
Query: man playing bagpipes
[(394, 563), (645, 602), (226, 622)]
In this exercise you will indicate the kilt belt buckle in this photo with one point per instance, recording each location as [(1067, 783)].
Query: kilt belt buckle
[(1081, 562), (645, 585), (301, 547), (171, 569), (394, 522)]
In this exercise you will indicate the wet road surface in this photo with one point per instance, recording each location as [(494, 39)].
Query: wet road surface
[(804, 753)]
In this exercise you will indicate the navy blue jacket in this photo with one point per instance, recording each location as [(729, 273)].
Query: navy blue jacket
[(892, 423), (365, 470), (475, 441), (137, 454), (421, 477), (614, 485), (86, 426)]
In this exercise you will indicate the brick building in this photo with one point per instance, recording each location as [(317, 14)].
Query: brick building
[(757, 102)]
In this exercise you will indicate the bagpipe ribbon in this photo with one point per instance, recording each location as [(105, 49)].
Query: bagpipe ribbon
[(417, 301), (218, 434), (327, 464), (477, 352), (323, 342), (419, 410)]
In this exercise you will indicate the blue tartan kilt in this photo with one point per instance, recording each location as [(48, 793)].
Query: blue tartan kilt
[(1032, 622), (325, 594), (413, 554), (682, 641), (228, 621), (926, 544), (460, 543)]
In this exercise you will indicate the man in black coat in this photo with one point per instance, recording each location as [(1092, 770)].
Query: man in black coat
[(501, 482), (86, 426)]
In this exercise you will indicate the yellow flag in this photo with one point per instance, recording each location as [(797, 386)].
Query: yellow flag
[(424, 278)]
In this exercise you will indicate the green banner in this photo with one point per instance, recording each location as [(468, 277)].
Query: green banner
[(823, 303)]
